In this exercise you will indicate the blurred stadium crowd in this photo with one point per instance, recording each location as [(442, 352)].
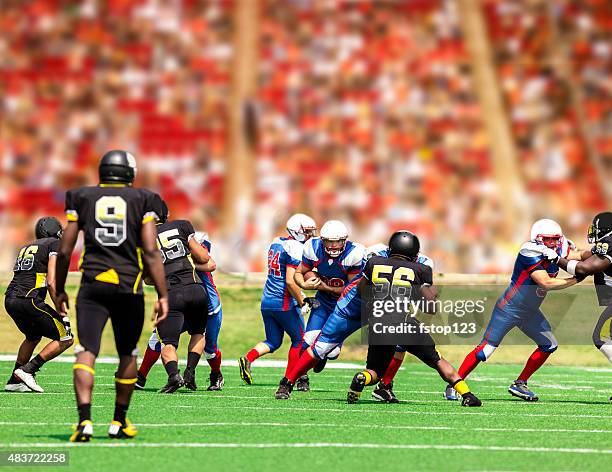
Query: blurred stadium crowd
[(365, 112)]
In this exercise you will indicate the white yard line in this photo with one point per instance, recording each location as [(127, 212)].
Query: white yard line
[(462, 447)]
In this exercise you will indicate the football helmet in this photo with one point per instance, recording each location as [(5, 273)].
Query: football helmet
[(117, 166), (404, 244), (334, 234), (301, 227), (601, 227), (547, 232), (48, 227)]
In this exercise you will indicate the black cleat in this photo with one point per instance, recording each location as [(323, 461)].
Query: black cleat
[(320, 366), (357, 386), (245, 370), (284, 389), (384, 393), (141, 381), (216, 381), (469, 399), (303, 384), (189, 379), (174, 383)]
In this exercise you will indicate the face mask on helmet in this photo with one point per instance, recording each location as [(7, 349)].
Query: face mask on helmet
[(301, 227), (333, 247), (600, 228), (547, 232)]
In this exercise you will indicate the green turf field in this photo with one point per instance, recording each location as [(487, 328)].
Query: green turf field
[(245, 428)]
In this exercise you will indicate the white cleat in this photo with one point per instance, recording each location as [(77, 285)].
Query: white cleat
[(17, 387), (29, 380)]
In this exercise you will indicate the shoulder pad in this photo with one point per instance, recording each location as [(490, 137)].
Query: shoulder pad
[(311, 249), (293, 248), (379, 249), (531, 249), (354, 256), (425, 260)]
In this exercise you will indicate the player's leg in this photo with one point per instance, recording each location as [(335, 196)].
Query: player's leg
[(293, 325), (384, 390), (274, 338), (602, 336), (92, 316), (537, 327), (196, 316), (46, 322), (168, 332), (151, 356), (317, 319), (212, 353), (127, 317), (13, 307), (377, 361)]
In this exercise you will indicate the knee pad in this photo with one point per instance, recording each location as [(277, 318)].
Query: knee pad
[(485, 352), (210, 355), (334, 353), (606, 350), (311, 336), (552, 346), (154, 343), (323, 350)]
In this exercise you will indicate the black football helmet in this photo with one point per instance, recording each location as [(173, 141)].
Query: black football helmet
[(404, 244), (160, 207), (601, 227), (48, 227), (117, 167)]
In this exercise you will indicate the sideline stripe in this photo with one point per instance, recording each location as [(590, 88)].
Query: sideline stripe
[(463, 447)]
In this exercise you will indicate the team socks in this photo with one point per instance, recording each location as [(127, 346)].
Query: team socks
[(171, 368), (461, 387), (303, 365), (534, 362), (34, 365), (215, 362), (84, 412), (150, 358), (120, 413), (193, 358), (469, 363), (391, 371), (292, 358), (252, 355)]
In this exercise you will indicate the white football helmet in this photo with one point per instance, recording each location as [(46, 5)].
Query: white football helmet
[(547, 232), (334, 234), (301, 227)]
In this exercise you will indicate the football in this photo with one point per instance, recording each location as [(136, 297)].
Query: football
[(310, 275)]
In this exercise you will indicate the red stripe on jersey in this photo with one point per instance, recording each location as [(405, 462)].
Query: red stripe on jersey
[(351, 285), (519, 282)]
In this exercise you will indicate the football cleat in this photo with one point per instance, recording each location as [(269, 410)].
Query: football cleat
[(189, 378), (141, 381), (469, 399), (284, 389), (384, 393), (29, 380), (451, 394), (83, 432), (303, 384), (519, 389), (245, 370), (320, 366), (216, 381), (16, 387), (174, 383), (116, 430), (357, 386)]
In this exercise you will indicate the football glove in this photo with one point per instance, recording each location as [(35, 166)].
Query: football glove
[(309, 304), (550, 255)]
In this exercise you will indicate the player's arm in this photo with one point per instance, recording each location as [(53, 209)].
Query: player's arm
[(337, 291), (62, 264), (429, 292), (547, 282), (210, 266), (155, 269), (199, 253), (298, 277), (292, 286), (592, 265), (51, 276)]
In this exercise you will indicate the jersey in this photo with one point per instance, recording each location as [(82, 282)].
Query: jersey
[(603, 280), (214, 300), (111, 218), (30, 269), (383, 251), (282, 253), (523, 293), (333, 271), (173, 240)]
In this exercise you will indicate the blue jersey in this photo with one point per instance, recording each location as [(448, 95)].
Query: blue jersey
[(382, 250), (214, 300), (282, 253), (333, 271), (523, 293)]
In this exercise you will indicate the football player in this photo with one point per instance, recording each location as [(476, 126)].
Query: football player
[(34, 273), (187, 298), (384, 390), (346, 319), (282, 299), (381, 277), (211, 335), (337, 261), (120, 240), (519, 306), (598, 262)]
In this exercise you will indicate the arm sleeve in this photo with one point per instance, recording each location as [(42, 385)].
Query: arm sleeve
[(187, 230), (72, 213), (149, 213), (54, 247), (427, 275)]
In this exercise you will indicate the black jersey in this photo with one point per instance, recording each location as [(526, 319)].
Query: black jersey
[(111, 217), (392, 278), (603, 280), (30, 269), (173, 240)]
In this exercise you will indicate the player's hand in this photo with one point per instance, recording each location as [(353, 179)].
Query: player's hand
[(309, 304), (160, 311), (312, 284), (62, 304), (550, 255), (571, 244)]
